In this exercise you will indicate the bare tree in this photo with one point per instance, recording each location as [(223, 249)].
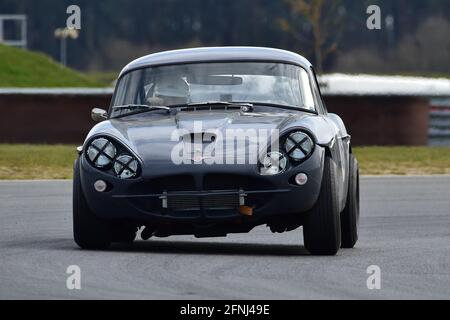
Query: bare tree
[(324, 19)]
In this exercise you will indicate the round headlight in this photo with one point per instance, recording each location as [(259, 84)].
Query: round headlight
[(298, 145), (101, 152), (273, 163), (125, 167)]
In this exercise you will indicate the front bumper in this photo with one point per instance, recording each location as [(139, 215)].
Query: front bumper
[(200, 188)]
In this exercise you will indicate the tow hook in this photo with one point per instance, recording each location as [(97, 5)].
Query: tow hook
[(243, 209)]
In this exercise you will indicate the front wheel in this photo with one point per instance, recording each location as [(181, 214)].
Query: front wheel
[(322, 230), (89, 231)]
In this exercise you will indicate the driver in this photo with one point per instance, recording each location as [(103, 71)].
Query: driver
[(169, 91)]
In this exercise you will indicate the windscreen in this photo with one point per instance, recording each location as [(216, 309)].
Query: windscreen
[(250, 82)]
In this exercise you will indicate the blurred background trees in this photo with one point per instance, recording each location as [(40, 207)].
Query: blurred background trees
[(319, 26), (332, 34)]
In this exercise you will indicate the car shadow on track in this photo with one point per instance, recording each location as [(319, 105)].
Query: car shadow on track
[(169, 247), (211, 248)]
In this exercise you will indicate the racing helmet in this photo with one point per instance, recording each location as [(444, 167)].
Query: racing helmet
[(172, 90)]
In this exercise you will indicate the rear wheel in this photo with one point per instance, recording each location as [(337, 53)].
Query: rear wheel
[(350, 215), (89, 231), (322, 230)]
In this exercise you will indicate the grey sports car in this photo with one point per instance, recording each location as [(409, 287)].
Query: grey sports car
[(212, 141)]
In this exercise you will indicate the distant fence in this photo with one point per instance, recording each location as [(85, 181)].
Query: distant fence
[(439, 133), (383, 121), (63, 116), (48, 115)]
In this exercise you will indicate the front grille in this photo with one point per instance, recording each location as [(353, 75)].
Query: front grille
[(237, 182), (226, 201), (193, 204), (183, 203), (210, 202)]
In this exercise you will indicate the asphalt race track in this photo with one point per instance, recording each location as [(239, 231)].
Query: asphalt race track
[(404, 229)]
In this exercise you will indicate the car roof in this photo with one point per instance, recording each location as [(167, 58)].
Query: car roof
[(217, 54)]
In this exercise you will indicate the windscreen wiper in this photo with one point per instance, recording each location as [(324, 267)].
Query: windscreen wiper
[(140, 106), (283, 106)]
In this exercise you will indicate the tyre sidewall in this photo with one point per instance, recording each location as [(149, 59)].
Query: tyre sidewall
[(89, 231), (350, 214), (322, 230)]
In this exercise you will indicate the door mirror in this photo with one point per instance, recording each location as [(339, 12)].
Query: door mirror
[(99, 115)]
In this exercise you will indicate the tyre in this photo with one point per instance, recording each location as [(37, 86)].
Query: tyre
[(322, 229), (89, 231), (124, 234), (350, 215)]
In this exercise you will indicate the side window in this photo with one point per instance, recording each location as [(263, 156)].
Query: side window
[(317, 93), (308, 95)]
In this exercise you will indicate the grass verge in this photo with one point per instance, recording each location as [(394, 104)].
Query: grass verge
[(23, 68), (22, 161), (403, 160)]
